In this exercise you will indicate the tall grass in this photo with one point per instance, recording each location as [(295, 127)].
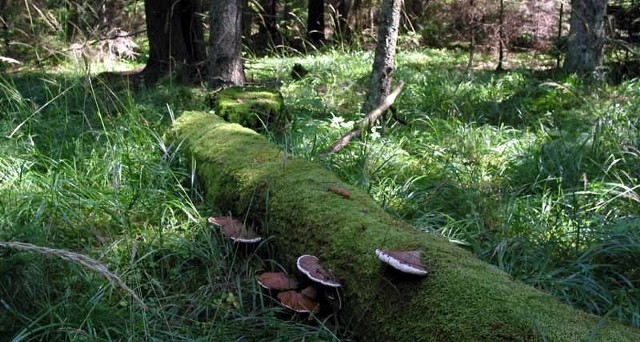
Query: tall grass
[(534, 171), (85, 175)]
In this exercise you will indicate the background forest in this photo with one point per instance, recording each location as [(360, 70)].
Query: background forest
[(495, 143)]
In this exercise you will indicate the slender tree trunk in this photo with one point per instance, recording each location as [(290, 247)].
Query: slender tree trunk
[(341, 22), (501, 38), (383, 64), (356, 9), (72, 20), (586, 36), (559, 36), (248, 16), (315, 21), (472, 34), (225, 57), (4, 26), (268, 27), (176, 39)]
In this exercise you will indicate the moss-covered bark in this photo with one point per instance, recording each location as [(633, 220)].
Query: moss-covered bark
[(252, 107), (463, 299)]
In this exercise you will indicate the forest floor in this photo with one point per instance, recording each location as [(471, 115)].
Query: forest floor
[(533, 170)]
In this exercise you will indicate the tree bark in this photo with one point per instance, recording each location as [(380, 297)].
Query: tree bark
[(270, 28), (176, 39), (501, 37), (383, 64), (225, 57), (288, 199), (315, 21), (586, 36), (341, 22)]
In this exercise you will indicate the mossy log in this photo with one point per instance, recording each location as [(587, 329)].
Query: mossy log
[(253, 107), (462, 299)]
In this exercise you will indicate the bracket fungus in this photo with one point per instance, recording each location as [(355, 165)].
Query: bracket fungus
[(297, 301), (276, 281), (310, 292), (310, 266), (404, 261), (235, 230)]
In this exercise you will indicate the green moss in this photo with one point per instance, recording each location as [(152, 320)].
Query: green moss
[(252, 107), (462, 299)]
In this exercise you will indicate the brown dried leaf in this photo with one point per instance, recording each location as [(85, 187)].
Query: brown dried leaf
[(340, 191)]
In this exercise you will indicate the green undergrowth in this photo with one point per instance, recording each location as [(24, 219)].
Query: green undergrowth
[(84, 168), (533, 170)]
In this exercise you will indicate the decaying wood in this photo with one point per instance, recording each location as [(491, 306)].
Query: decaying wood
[(460, 299)]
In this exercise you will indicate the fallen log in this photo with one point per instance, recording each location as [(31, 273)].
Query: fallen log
[(461, 299)]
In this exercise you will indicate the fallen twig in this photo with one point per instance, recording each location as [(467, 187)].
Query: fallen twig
[(366, 122)]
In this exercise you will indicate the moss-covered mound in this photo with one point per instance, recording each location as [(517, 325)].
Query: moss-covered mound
[(462, 299), (252, 107)]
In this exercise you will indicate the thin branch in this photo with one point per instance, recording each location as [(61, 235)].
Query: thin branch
[(366, 122)]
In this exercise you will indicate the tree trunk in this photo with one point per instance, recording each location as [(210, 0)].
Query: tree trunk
[(501, 37), (5, 29), (176, 39), (586, 35), (355, 21), (383, 64), (225, 57), (559, 36), (341, 21), (461, 299), (315, 21), (269, 27)]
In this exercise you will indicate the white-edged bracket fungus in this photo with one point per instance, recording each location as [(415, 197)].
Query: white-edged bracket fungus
[(235, 230), (297, 301), (310, 266), (403, 261), (310, 292), (277, 281)]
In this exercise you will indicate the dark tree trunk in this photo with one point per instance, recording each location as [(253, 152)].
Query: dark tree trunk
[(315, 21), (356, 9), (248, 17), (72, 21), (268, 27), (383, 64), (225, 60), (560, 16), (472, 25), (341, 20), (586, 35), (176, 39), (5, 28), (501, 38)]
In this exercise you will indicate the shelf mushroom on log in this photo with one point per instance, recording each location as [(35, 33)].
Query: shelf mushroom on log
[(462, 299), (235, 230), (310, 266), (297, 301), (403, 261), (277, 281)]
